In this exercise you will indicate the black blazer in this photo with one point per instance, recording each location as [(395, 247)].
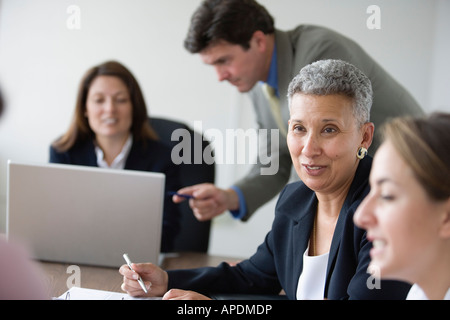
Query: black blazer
[(152, 156), (278, 262)]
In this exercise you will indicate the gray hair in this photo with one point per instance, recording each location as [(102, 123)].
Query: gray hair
[(326, 77)]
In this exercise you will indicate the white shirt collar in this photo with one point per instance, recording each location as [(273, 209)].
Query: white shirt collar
[(119, 161), (416, 293)]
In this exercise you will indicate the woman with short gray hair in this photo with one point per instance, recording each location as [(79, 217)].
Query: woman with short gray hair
[(326, 77), (314, 251)]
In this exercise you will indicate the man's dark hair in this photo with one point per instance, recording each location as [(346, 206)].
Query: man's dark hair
[(234, 21)]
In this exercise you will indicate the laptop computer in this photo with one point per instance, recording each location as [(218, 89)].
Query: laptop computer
[(85, 215)]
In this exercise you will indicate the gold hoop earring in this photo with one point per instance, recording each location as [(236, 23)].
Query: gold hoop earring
[(362, 152)]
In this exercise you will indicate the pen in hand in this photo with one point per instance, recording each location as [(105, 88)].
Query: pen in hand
[(141, 282), (186, 196)]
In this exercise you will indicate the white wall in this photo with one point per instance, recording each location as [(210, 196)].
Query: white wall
[(42, 61), (440, 67)]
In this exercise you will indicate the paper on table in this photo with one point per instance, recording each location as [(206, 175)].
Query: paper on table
[(76, 293)]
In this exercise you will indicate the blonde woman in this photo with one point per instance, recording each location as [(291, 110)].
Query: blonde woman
[(407, 212)]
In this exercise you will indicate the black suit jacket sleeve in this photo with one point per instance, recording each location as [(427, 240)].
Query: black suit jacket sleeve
[(256, 275)]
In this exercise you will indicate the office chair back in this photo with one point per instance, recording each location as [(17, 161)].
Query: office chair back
[(194, 235)]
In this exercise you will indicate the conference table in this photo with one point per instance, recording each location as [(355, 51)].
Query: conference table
[(59, 276)]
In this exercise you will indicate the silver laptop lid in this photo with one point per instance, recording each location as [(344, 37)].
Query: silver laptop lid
[(85, 215)]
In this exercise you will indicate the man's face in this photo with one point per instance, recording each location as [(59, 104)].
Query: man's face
[(242, 68)]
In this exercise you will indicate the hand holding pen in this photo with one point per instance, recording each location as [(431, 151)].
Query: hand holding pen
[(153, 278), (137, 276), (207, 201)]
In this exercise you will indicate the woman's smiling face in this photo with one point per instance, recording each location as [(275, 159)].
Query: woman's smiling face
[(109, 108), (400, 218), (323, 140)]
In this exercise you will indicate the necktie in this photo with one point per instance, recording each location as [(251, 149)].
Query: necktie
[(274, 103)]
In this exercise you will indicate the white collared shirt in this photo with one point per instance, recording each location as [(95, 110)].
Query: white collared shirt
[(416, 293), (119, 161)]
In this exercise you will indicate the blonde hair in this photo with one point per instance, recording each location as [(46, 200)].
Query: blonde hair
[(424, 144)]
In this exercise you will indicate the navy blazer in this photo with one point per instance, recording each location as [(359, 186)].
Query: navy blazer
[(278, 262), (152, 156)]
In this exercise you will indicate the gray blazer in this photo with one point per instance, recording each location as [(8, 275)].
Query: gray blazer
[(296, 49)]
